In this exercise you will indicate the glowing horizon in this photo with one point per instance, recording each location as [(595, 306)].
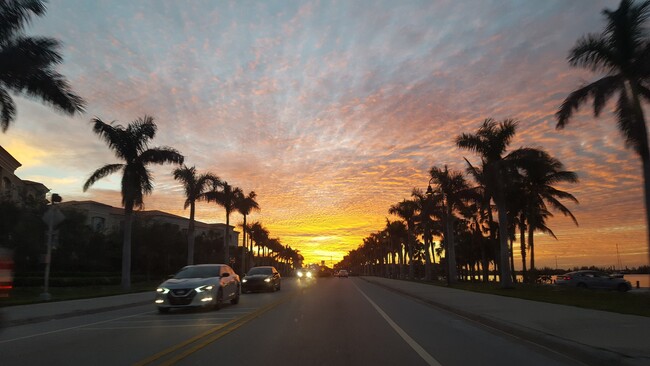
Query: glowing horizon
[(333, 111)]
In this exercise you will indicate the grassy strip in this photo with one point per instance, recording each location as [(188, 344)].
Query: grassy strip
[(31, 295), (617, 302)]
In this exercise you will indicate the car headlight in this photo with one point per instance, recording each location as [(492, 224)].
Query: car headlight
[(244, 280), (299, 274), (309, 274), (268, 279), (203, 288), (162, 290)]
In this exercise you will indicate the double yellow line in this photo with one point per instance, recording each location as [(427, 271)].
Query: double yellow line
[(196, 343)]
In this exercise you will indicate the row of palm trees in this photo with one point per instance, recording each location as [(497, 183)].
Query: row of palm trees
[(518, 185), (621, 52), (131, 145)]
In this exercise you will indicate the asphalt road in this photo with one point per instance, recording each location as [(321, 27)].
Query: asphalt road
[(331, 321)]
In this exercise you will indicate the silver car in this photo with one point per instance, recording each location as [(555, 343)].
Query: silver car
[(202, 285), (593, 279)]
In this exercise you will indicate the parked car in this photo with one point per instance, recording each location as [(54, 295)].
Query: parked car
[(201, 285), (263, 278), (594, 280), (342, 273)]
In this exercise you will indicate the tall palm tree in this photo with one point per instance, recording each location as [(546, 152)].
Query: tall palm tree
[(195, 189), (244, 206), (490, 142), (397, 232), (407, 210), (27, 63), (622, 53), (227, 198), (130, 144), (454, 190), (541, 172)]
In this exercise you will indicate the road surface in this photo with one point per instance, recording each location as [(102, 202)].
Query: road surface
[(331, 321)]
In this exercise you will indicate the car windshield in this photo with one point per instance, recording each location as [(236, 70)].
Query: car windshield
[(260, 271), (198, 272)]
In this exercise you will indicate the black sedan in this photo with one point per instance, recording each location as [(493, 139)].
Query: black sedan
[(263, 278)]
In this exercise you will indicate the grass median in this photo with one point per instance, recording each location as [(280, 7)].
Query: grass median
[(635, 303)]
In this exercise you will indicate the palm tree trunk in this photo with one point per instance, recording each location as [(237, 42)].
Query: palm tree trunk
[(644, 151), (410, 250), (505, 275), (427, 251), (243, 245), (190, 237), (226, 241), (126, 247), (522, 244), (531, 245), (451, 250), (512, 261)]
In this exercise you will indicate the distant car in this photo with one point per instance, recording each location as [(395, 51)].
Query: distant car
[(342, 273), (593, 280), (201, 285), (263, 278), (305, 274)]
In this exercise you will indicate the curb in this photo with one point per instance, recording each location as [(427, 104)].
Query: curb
[(584, 353)]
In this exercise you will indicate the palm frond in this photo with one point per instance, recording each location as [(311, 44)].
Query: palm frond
[(50, 87), (21, 56), (601, 90), (15, 15), (161, 155), (593, 52), (100, 173), (631, 128), (8, 112)]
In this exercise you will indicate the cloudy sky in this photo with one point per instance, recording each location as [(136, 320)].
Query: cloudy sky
[(333, 110)]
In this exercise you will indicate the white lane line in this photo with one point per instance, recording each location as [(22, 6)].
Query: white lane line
[(71, 328), (161, 326), (410, 341), (169, 320)]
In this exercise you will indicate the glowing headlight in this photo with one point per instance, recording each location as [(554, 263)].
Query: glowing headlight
[(203, 288), (267, 280), (309, 274), (299, 274), (244, 280), (162, 290)]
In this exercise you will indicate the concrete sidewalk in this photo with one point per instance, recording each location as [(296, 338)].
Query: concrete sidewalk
[(34, 313), (591, 336)]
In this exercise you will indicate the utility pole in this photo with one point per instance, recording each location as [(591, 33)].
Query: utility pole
[(52, 218)]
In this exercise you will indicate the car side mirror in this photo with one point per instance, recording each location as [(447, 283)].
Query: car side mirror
[(225, 274)]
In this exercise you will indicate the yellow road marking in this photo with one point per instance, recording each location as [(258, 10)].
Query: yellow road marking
[(231, 325)]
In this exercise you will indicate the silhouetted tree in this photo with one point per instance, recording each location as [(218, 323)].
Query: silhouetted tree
[(227, 198)]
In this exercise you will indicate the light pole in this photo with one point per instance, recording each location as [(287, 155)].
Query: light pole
[(52, 218)]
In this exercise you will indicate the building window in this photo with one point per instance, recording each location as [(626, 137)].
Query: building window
[(98, 223)]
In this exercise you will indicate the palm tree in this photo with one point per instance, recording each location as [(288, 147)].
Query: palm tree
[(490, 142), (622, 52), (454, 190), (130, 144), (244, 206), (541, 172), (195, 190), (407, 210), (227, 198), (27, 63), (397, 232)]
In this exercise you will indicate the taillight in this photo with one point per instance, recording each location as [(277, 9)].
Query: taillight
[(566, 278)]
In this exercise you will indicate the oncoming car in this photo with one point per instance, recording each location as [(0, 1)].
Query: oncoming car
[(201, 285), (261, 278), (342, 273), (593, 280), (304, 274)]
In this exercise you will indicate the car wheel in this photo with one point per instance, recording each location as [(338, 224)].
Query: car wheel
[(235, 300), (622, 288), (219, 300), (582, 285), (163, 310)]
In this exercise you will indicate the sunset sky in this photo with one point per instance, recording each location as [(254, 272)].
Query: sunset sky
[(333, 110)]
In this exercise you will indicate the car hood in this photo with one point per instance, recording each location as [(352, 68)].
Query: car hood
[(174, 283), (258, 277)]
